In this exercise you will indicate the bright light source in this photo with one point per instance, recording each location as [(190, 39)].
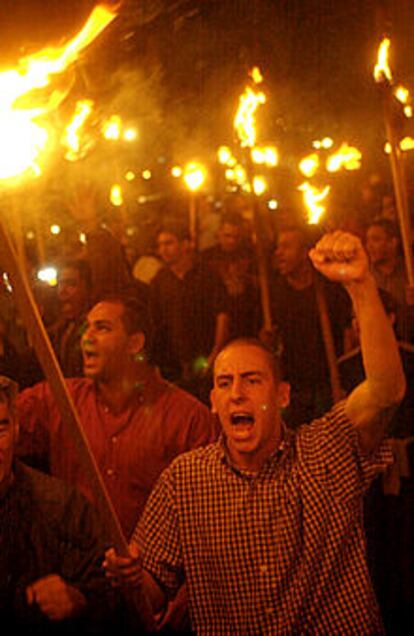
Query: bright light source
[(259, 185), (146, 174), (272, 204), (30, 235), (130, 134), (82, 238), (48, 275), (55, 229), (176, 171), (130, 176), (116, 196), (194, 176)]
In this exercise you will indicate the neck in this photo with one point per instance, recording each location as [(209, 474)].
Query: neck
[(181, 267), (117, 392), (301, 277), (387, 266)]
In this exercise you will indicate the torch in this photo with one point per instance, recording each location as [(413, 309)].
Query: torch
[(245, 126), (32, 138), (194, 176), (383, 76)]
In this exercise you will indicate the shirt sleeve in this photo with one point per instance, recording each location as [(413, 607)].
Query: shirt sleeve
[(158, 537), (330, 449), (37, 415)]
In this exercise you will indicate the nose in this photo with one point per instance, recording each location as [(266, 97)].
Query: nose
[(88, 334), (237, 390)]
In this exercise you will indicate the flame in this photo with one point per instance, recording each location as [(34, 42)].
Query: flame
[(194, 176), (313, 197), (402, 94), (346, 157), (256, 75), (259, 185), (267, 156), (406, 144), (71, 139), (408, 111), (244, 121), (111, 128), (381, 69), (176, 171), (23, 139), (130, 175), (309, 165), (116, 196), (130, 134), (224, 155)]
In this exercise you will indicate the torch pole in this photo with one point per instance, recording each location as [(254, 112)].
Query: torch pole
[(326, 328), (193, 220), (398, 184), (260, 247), (70, 418)]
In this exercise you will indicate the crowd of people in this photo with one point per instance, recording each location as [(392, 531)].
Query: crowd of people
[(246, 464)]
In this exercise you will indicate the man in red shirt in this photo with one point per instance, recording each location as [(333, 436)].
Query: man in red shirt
[(135, 421)]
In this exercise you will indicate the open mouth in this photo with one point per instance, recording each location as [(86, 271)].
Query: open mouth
[(242, 425)]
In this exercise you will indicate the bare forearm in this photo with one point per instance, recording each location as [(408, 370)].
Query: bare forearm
[(382, 363)]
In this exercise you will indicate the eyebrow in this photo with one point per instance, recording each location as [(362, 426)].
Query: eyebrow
[(245, 374)]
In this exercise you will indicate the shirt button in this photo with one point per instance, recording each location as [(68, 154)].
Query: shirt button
[(263, 569), (110, 472)]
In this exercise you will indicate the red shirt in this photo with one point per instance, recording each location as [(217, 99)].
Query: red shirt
[(131, 448)]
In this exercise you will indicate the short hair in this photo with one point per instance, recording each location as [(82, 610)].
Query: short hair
[(8, 393), (390, 228), (81, 266), (135, 317), (274, 354), (179, 230), (232, 218)]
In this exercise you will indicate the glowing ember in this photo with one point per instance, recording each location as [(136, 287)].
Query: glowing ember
[(116, 196), (402, 94), (244, 121), (408, 111), (267, 156), (309, 165), (130, 175), (346, 157), (259, 185), (381, 69), (194, 176), (111, 128), (313, 198), (71, 139), (23, 138)]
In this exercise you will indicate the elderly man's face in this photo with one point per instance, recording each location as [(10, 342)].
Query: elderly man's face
[(8, 437), (247, 398)]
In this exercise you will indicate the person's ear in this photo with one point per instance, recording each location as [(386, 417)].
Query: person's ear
[(283, 394), (136, 343)]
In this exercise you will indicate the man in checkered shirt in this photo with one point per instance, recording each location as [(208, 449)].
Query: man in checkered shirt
[(266, 525)]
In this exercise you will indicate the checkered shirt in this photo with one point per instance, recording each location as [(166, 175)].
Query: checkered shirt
[(278, 552)]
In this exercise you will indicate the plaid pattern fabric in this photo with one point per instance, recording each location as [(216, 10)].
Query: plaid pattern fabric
[(279, 552)]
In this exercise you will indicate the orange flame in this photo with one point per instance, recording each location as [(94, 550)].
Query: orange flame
[(71, 138), (22, 138), (346, 157), (309, 165), (382, 70), (244, 121), (313, 197)]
